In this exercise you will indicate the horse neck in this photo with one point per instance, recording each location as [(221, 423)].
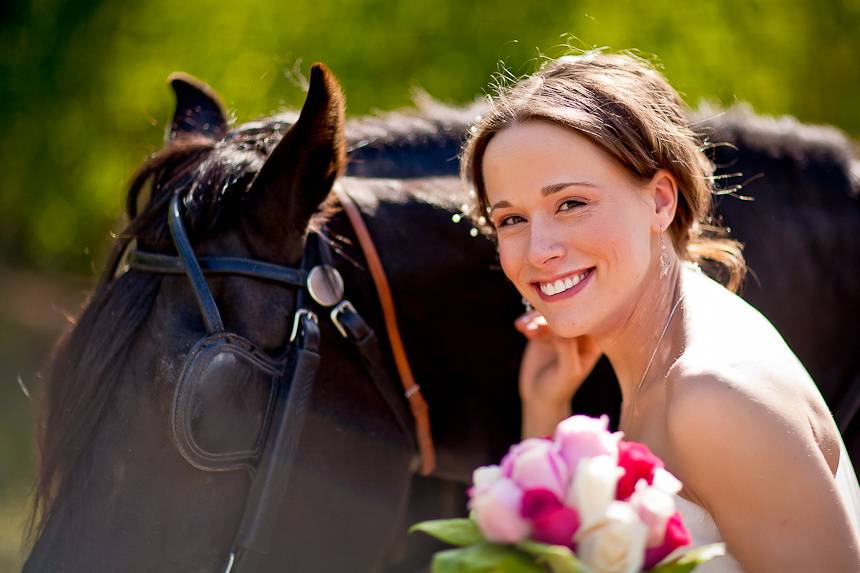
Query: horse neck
[(454, 308)]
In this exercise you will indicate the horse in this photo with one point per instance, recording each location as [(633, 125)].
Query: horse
[(115, 492)]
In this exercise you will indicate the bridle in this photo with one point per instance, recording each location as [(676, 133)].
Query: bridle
[(318, 286)]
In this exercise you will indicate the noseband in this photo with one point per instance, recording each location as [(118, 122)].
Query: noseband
[(290, 376)]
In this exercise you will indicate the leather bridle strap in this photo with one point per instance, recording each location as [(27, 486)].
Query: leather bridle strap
[(412, 391), (167, 264)]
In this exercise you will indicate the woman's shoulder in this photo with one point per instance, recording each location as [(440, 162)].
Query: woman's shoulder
[(746, 409), (737, 373)]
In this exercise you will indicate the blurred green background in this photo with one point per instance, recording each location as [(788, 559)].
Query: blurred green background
[(83, 101)]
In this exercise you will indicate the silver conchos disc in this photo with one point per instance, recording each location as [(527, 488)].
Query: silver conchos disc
[(325, 285)]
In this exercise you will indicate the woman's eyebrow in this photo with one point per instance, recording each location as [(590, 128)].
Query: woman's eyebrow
[(556, 187), (548, 190), (499, 205)]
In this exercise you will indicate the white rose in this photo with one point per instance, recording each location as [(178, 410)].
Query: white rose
[(616, 544), (665, 481), (654, 507), (593, 488)]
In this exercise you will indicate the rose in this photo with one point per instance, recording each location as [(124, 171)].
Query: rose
[(483, 477), (675, 536), (616, 543), (654, 507), (536, 463), (580, 437), (665, 481), (495, 506), (638, 463), (593, 488), (552, 522)]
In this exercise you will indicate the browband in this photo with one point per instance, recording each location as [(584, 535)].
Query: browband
[(167, 264)]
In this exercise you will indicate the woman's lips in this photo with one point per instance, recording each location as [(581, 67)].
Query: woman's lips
[(564, 287)]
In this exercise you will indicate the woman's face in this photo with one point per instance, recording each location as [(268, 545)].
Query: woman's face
[(576, 230)]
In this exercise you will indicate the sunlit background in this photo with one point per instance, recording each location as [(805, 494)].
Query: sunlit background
[(83, 100)]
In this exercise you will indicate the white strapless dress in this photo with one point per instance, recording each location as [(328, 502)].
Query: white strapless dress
[(704, 531)]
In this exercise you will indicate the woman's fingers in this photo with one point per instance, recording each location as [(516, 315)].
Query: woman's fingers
[(531, 324)]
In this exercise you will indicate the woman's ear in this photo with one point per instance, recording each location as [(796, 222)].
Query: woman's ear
[(664, 189)]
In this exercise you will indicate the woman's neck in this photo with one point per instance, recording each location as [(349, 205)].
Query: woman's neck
[(631, 346)]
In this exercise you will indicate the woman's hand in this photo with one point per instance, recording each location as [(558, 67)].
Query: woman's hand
[(552, 370)]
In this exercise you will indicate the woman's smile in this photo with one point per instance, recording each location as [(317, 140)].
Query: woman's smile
[(564, 286)]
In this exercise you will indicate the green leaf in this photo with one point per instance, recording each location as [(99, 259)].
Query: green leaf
[(691, 559), (560, 559), (485, 558), (454, 531)]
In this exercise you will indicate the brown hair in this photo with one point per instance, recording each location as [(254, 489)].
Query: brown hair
[(625, 106)]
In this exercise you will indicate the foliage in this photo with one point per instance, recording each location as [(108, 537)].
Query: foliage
[(83, 98), (474, 554)]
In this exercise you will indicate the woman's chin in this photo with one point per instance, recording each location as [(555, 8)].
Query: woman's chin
[(565, 327)]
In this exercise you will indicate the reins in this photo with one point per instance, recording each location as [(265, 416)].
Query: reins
[(411, 389)]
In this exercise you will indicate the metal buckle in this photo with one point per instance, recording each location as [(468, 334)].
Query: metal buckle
[(335, 316), (297, 320)]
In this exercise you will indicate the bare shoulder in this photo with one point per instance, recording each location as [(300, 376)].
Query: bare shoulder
[(738, 382), (721, 403), (732, 416)]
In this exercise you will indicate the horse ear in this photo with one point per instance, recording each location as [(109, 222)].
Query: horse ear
[(199, 110), (299, 173)]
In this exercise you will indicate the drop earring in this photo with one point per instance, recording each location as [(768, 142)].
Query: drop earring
[(528, 306), (664, 258)]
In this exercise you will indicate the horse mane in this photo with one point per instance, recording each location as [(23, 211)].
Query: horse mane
[(821, 154)]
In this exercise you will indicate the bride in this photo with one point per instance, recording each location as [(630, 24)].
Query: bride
[(598, 193)]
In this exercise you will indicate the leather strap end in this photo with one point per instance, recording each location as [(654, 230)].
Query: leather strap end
[(421, 413)]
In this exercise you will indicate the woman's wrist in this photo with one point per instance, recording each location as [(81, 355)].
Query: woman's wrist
[(540, 417)]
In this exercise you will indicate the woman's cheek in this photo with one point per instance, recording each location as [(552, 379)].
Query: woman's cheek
[(509, 259)]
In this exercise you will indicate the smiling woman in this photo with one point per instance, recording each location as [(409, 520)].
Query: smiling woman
[(600, 195)]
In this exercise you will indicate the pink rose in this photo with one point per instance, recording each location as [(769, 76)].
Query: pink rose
[(655, 507), (496, 509), (536, 463), (482, 478), (581, 437), (507, 464), (638, 463), (552, 522), (676, 536)]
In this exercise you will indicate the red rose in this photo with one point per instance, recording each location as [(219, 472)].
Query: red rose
[(638, 463), (552, 522), (676, 536)]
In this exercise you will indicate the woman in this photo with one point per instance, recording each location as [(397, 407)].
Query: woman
[(599, 193)]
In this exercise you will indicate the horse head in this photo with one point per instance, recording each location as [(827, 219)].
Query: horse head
[(115, 488)]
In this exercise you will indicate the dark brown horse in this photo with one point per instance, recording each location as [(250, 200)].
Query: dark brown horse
[(115, 492)]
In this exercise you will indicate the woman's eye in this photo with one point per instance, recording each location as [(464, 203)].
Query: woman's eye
[(570, 204), (510, 220)]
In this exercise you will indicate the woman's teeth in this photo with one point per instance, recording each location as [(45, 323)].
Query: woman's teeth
[(562, 285)]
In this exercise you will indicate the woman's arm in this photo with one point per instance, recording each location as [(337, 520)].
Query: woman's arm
[(551, 371), (754, 464)]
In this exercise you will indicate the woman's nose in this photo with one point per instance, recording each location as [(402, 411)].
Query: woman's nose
[(543, 247)]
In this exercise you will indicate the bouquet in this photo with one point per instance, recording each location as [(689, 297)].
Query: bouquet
[(583, 501)]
